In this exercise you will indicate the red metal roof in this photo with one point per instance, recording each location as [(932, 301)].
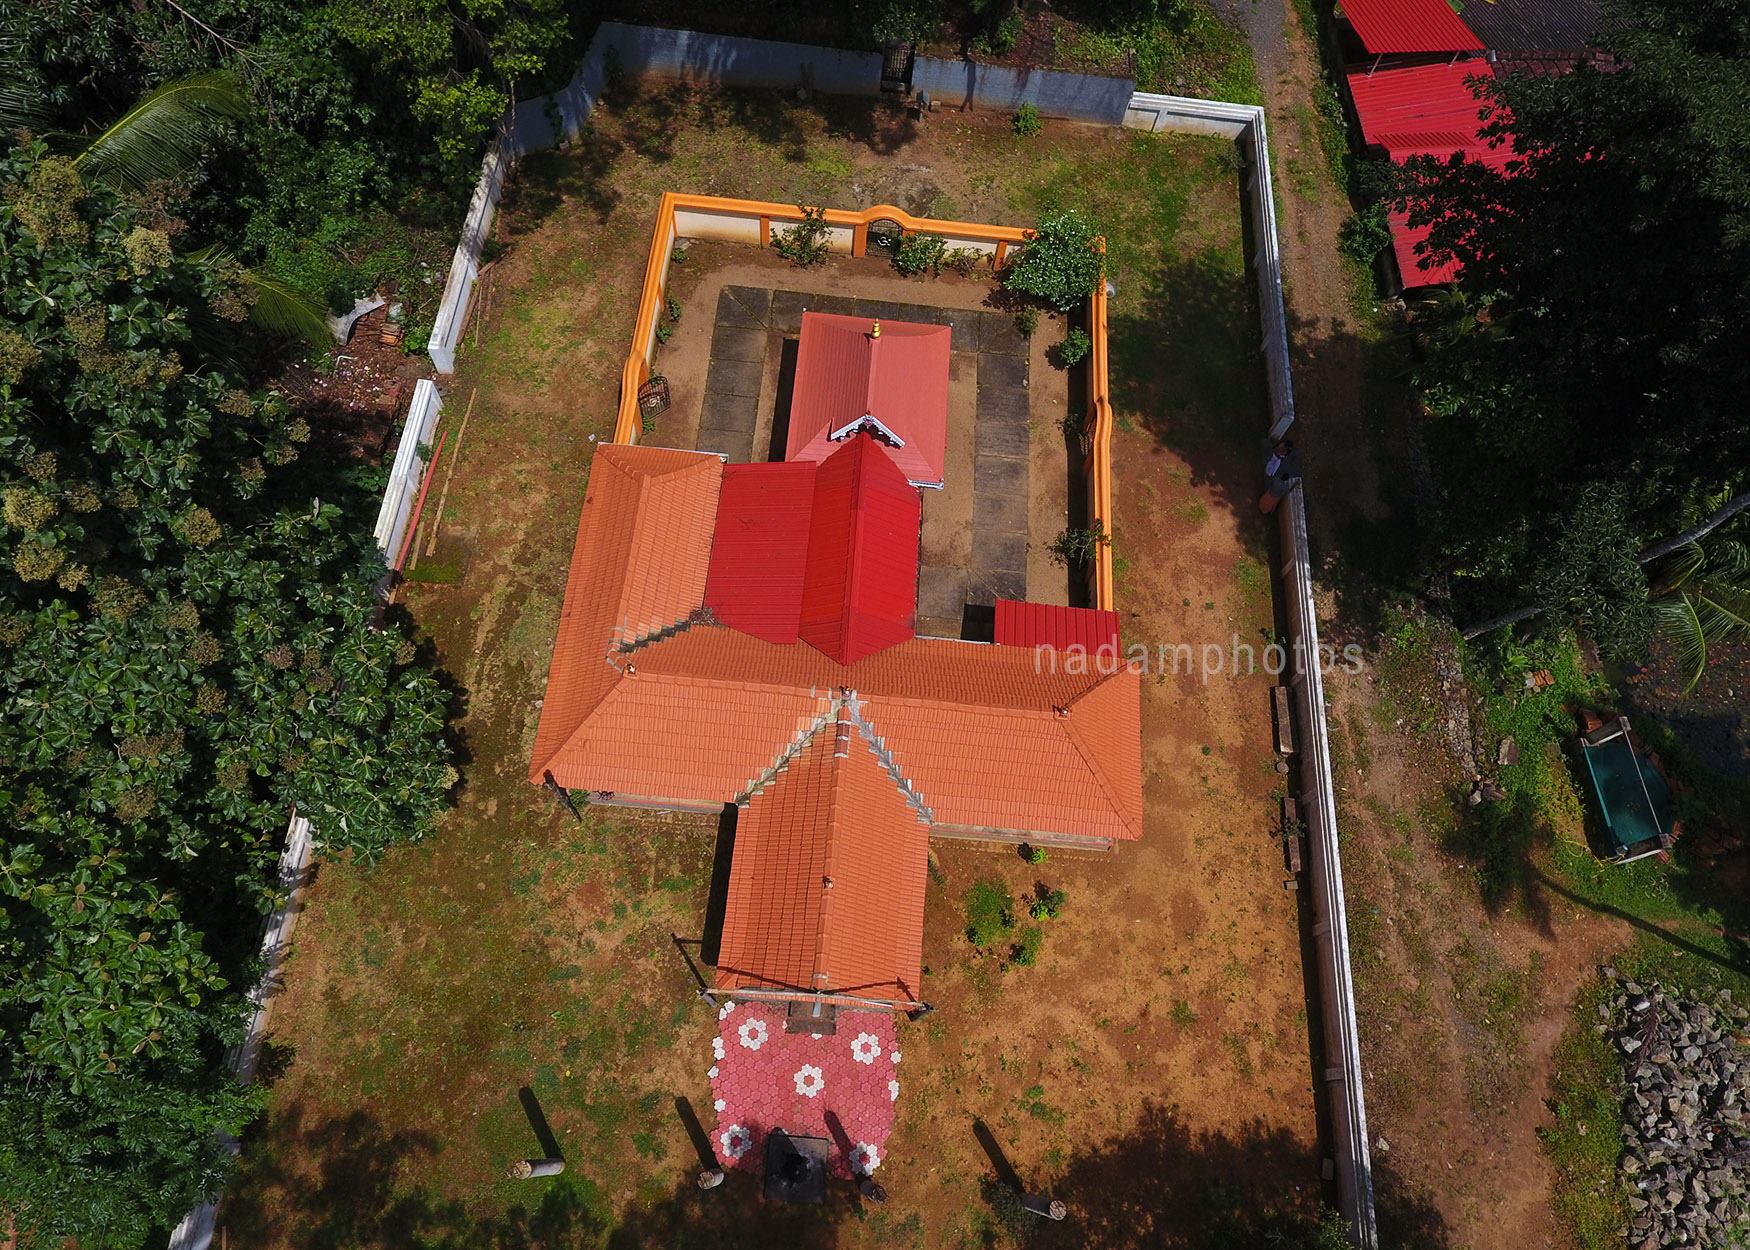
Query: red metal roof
[(1396, 26), (760, 549), (1423, 110), (1021, 624), (844, 373), (860, 593), (1418, 99)]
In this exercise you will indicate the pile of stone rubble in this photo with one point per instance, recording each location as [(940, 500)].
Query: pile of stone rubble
[(1686, 1112)]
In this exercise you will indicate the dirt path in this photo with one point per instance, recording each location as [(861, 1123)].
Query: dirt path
[(1461, 1010)]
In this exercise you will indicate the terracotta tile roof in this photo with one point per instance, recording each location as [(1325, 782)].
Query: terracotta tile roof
[(860, 589), (899, 379), (760, 549), (638, 567), (826, 886)]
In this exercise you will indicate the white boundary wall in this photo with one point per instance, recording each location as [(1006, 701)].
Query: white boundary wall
[(196, 1230), (408, 470), (1341, 1036)]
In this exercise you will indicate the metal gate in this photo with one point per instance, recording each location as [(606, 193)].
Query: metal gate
[(896, 63)]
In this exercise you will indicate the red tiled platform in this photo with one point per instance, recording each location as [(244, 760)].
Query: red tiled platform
[(760, 1073)]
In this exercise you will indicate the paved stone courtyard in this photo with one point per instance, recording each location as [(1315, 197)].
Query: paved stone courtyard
[(975, 545)]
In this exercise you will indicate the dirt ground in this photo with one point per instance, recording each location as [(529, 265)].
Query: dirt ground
[(520, 984)]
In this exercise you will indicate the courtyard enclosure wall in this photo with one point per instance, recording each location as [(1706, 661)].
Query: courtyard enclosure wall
[(196, 1230), (680, 217), (541, 123), (1341, 1036)]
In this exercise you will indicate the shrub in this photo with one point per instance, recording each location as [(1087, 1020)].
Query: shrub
[(963, 260), (1046, 902), (920, 253), (990, 913), (1061, 263), (1365, 235), (1027, 121), (804, 243), (1027, 321), (1025, 953), (1074, 349), (1076, 545), (664, 331), (673, 307), (1034, 855)]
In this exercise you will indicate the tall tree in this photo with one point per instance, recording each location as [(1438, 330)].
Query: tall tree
[(186, 652), (1597, 398)]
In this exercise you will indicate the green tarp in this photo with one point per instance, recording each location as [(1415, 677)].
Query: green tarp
[(1631, 794)]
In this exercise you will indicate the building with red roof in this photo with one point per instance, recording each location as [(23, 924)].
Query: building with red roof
[(688, 673), (887, 378), (1409, 27)]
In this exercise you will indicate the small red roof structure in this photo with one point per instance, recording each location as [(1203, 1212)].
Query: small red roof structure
[(1423, 110), (759, 553), (893, 383), (1389, 27), (1021, 624)]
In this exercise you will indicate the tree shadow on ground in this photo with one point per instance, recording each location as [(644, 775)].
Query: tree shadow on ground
[(1185, 363), (334, 1186), (1501, 839), (547, 181)]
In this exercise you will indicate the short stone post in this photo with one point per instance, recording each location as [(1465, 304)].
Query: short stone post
[(526, 1169)]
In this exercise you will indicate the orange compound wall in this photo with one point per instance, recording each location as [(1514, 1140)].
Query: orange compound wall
[(751, 221)]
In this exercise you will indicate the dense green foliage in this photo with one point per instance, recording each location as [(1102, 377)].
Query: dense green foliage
[(1587, 386), (1062, 262), (186, 652), (352, 167)]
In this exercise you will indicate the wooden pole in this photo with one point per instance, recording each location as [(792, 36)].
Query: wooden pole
[(437, 517)]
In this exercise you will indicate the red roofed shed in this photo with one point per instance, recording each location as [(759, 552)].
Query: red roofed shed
[(1390, 27), (1022, 624), (894, 384)]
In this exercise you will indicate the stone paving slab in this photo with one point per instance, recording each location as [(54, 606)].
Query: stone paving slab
[(1003, 436), (730, 342), (744, 306), (1002, 477), (735, 377), (787, 308), (942, 590), (736, 444), (722, 411), (999, 335), (1003, 553), (988, 586), (1001, 374)]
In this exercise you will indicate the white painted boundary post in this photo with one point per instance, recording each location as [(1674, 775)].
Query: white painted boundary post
[(196, 1230), (1342, 1047)]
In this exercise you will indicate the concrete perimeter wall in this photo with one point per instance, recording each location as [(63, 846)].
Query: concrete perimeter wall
[(970, 84), (1317, 793)]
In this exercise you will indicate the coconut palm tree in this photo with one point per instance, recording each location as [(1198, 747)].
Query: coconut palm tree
[(164, 137), (1701, 597)]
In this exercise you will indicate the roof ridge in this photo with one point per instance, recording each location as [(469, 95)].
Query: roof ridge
[(1095, 760), (878, 747), (789, 751)]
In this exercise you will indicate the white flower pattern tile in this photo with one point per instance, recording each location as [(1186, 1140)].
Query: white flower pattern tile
[(866, 1049), (893, 1091), (865, 1158), (753, 1033), (736, 1140), (810, 1081), (717, 1048)]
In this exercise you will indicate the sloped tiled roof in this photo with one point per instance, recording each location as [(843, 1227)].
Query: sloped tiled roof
[(826, 885), (900, 379), (638, 567), (1021, 624)]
